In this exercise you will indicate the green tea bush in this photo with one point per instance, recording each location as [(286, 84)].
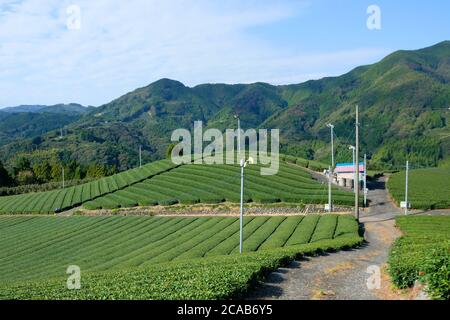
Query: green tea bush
[(226, 247), (290, 159), (428, 188), (282, 233), (346, 226), (423, 254), (213, 184), (73, 196), (316, 166), (325, 228), (436, 273), (304, 231), (222, 277), (302, 162), (253, 241)]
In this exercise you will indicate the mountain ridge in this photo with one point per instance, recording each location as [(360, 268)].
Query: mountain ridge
[(403, 100)]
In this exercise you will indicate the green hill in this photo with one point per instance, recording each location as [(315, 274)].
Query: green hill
[(403, 99), (28, 122)]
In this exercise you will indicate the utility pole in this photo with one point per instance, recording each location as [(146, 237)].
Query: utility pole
[(63, 177), (357, 165), (329, 189), (241, 213), (243, 164), (365, 180), (140, 156), (406, 188), (332, 144), (331, 168), (239, 136)]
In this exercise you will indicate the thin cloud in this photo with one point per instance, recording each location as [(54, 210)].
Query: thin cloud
[(127, 44)]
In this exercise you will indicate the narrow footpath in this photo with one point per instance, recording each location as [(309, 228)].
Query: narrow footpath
[(343, 275)]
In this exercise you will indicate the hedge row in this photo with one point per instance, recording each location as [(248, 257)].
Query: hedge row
[(423, 254), (205, 278)]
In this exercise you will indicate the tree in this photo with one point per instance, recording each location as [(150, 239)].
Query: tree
[(25, 177), (21, 164), (42, 171), (96, 171), (56, 171), (5, 179), (37, 140), (77, 175)]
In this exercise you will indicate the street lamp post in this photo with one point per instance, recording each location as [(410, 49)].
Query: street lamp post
[(406, 187), (332, 144), (329, 189), (239, 135), (365, 180), (243, 164), (331, 168)]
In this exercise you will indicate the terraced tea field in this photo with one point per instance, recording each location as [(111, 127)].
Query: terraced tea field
[(162, 183), (58, 200), (190, 184), (428, 188), (42, 247)]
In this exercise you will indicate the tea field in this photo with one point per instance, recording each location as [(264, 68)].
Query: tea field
[(58, 200), (422, 253), (163, 183), (428, 188), (156, 257), (43, 246), (190, 184)]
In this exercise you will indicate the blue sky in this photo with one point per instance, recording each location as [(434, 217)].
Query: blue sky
[(123, 45)]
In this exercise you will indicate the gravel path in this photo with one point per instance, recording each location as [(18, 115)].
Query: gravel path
[(342, 275)]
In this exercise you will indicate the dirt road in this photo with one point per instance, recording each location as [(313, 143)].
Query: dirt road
[(343, 275)]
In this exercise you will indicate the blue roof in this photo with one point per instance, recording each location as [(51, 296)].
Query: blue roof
[(345, 164)]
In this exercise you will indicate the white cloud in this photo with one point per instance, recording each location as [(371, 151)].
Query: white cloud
[(123, 45)]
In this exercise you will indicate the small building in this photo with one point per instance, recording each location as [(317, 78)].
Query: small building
[(344, 174)]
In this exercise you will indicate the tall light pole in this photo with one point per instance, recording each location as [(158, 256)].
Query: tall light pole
[(365, 180), (243, 164), (357, 165), (140, 156), (353, 162), (332, 144), (406, 188), (329, 189), (331, 168), (239, 135)]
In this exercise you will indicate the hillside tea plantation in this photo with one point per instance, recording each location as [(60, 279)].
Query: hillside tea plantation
[(428, 188), (163, 183), (157, 257), (189, 184), (43, 246), (59, 200)]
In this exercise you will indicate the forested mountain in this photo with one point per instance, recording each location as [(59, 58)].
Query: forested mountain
[(28, 122), (403, 99)]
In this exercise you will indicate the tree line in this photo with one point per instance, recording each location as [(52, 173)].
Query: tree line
[(46, 171)]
